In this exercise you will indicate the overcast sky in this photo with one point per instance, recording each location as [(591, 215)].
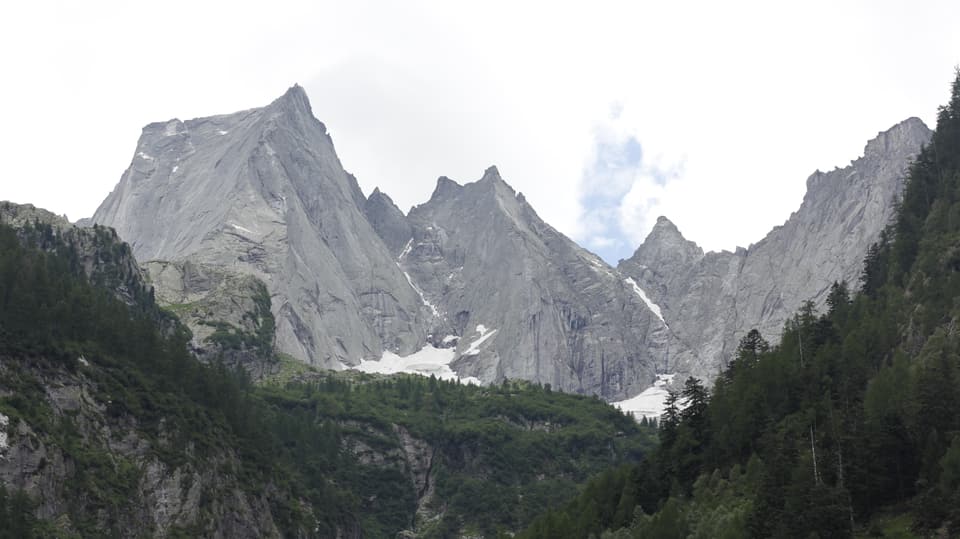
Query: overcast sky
[(605, 116)]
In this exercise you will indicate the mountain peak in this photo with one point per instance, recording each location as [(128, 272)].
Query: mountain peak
[(262, 191), (294, 100), (663, 222), (492, 173), (496, 184), (295, 92), (664, 229), (445, 186), (387, 220), (379, 196), (904, 136), (665, 244)]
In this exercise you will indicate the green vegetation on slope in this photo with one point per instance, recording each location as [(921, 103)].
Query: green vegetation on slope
[(230, 337), (50, 316), (856, 410), (501, 455), (331, 453)]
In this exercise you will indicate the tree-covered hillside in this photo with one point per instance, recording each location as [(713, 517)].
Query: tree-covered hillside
[(850, 426), (110, 428)]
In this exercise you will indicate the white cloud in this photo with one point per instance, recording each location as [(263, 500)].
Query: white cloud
[(623, 186), (750, 97)]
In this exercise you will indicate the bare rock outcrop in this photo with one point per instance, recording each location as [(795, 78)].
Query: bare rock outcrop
[(712, 300), (525, 301), (262, 192)]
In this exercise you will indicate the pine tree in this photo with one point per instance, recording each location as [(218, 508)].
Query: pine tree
[(670, 419), (838, 300)]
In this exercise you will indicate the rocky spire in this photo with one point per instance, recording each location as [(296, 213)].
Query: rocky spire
[(665, 247), (263, 192), (388, 221), (526, 301), (445, 188)]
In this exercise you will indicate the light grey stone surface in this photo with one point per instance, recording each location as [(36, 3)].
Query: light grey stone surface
[(711, 300), (262, 192), (389, 222), (545, 309), (206, 298)]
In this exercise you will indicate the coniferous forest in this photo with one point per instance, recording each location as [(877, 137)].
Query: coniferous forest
[(849, 427), (322, 449)]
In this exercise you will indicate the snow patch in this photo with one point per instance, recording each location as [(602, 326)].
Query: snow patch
[(222, 132), (175, 169), (485, 334), (427, 361), (651, 402), (450, 338), (241, 229), (419, 292), (4, 441), (83, 361), (643, 295), (406, 249), (145, 156), (599, 265)]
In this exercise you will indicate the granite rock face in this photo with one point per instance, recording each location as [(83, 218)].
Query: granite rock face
[(389, 222), (520, 300), (164, 497), (262, 193), (712, 300), (228, 313)]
